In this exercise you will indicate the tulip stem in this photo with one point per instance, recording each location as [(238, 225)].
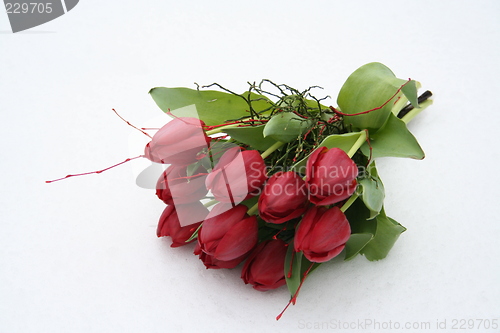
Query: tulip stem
[(221, 129), (349, 202), (253, 209), (195, 234), (359, 142), (271, 149), (210, 203), (411, 114)]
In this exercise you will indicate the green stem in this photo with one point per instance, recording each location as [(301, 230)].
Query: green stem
[(271, 149), (210, 203), (358, 143), (195, 234), (349, 202), (253, 209), (221, 129), (410, 115)]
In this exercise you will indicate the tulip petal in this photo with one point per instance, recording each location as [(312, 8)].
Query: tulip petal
[(305, 226), (238, 241), (323, 257), (220, 220)]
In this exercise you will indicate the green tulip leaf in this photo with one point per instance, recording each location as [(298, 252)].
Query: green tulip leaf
[(213, 107), (370, 87), (299, 266), (385, 230), (342, 141), (393, 139), (372, 191), (293, 263), (410, 91), (252, 136), (388, 231), (286, 127), (355, 244)]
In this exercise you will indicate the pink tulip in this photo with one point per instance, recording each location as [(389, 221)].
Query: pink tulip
[(175, 187), (237, 176), (178, 142)]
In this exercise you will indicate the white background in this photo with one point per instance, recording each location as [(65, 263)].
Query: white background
[(82, 255)]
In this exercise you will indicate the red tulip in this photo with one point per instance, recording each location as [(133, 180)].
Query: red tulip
[(175, 187), (228, 233), (178, 142), (210, 262), (169, 224), (322, 233), (237, 176), (264, 268), (283, 198), (330, 176)]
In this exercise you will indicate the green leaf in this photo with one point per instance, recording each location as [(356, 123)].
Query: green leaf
[(342, 141), (410, 91), (300, 265), (394, 139), (295, 260), (367, 88), (213, 107), (388, 231), (286, 127), (372, 191), (355, 244), (252, 136)]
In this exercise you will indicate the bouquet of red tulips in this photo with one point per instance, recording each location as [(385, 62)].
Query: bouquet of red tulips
[(292, 182), (276, 181)]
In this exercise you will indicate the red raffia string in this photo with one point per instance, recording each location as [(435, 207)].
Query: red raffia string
[(375, 109), (294, 298), (99, 171), (128, 123)]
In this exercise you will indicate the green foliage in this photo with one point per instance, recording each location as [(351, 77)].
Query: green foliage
[(370, 87), (213, 107)]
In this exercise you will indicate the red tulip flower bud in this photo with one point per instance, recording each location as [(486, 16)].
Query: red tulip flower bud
[(178, 142), (169, 224), (237, 176), (228, 233), (330, 176), (322, 233), (174, 187), (284, 198), (210, 262), (264, 268)]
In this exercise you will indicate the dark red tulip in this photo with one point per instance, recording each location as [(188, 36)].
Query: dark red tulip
[(265, 267), (322, 233), (284, 198), (175, 187), (210, 262), (330, 176), (237, 176), (169, 224), (178, 142), (228, 233)]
